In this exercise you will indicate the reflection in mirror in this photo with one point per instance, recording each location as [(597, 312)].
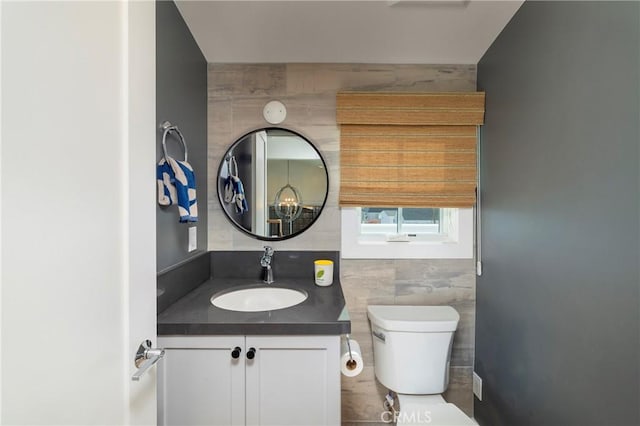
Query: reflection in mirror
[(272, 183)]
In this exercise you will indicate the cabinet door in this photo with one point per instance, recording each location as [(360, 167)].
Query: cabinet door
[(199, 383), (293, 380)]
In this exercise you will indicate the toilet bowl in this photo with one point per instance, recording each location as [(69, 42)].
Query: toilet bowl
[(412, 351)]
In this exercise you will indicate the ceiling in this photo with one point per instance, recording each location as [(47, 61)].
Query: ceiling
[(383, 31)]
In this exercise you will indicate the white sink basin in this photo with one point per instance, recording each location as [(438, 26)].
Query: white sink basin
[(258, 299)]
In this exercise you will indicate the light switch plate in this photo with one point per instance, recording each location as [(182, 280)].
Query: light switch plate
[(477, 386), (193, 238)]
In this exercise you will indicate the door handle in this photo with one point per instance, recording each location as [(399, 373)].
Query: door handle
[(145, 357)]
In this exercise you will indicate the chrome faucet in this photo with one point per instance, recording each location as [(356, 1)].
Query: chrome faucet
[(266, 263)]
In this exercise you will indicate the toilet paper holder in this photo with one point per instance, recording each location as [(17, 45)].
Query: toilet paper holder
[(346, 336), (349, 346), (351, 363)]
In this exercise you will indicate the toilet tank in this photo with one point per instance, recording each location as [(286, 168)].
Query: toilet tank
[(412, 346)]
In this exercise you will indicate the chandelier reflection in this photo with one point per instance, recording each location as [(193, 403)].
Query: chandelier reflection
[(288, 202)]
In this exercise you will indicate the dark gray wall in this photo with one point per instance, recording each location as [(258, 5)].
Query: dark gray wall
[(557, 338), (181, 96)]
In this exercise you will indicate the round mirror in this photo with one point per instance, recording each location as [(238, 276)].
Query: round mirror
[(272, 183)]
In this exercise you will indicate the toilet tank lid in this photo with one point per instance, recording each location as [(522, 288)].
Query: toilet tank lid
[(414, 318)]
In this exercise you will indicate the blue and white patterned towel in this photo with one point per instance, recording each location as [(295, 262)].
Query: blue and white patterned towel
[(177, 185), (234, 194), (166, 189)]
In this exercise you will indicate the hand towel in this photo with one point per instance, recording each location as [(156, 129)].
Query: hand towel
[(240, 200), (234, 194), (177, 185), (234, 189), (229, 191), (185, 183), (166, 188)]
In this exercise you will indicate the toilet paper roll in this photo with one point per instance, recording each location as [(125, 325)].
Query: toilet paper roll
[(352, 365)]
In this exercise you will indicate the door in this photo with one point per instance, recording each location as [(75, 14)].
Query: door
[(259, 172), (78, 211), (293, 380), (139, 231), (201, 381)]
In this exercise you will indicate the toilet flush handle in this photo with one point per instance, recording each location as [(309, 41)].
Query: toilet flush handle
[(379, 335)]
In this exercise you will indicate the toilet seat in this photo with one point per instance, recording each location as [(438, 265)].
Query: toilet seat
[(430, 410)]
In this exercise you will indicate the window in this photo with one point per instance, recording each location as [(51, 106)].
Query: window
[(407, 233), (414, 150), (401, 222)]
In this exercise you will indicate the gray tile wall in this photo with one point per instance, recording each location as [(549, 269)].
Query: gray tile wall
[(237, 94)]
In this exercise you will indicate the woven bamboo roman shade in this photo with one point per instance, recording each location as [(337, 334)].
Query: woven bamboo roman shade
[(408, 149)]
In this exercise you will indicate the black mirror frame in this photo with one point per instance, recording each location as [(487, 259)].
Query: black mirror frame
[(221, 201)]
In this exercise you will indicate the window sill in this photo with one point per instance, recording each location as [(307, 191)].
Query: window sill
[(458, 246)]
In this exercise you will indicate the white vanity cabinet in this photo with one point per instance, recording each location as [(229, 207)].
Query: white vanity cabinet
[(284, 380), (199, 382)]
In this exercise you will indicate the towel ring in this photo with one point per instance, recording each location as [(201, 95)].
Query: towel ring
[(168, 128), (231, 166)]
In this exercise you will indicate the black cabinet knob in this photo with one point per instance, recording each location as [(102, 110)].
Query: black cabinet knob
[(251, 353), (235, 353)]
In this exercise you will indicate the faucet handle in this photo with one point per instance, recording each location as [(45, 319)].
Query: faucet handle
[(268, 250)]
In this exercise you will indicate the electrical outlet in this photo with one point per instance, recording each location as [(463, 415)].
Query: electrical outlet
[(477, 386), (193, 239)]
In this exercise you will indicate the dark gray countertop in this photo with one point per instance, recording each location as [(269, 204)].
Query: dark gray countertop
[(323, 313)]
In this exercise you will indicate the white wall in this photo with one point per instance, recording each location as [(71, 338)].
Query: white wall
[(72, 172)]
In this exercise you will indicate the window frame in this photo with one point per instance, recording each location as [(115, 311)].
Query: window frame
[(458, 244)]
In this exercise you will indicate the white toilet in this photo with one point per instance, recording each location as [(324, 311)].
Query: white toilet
[(412, 350)]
